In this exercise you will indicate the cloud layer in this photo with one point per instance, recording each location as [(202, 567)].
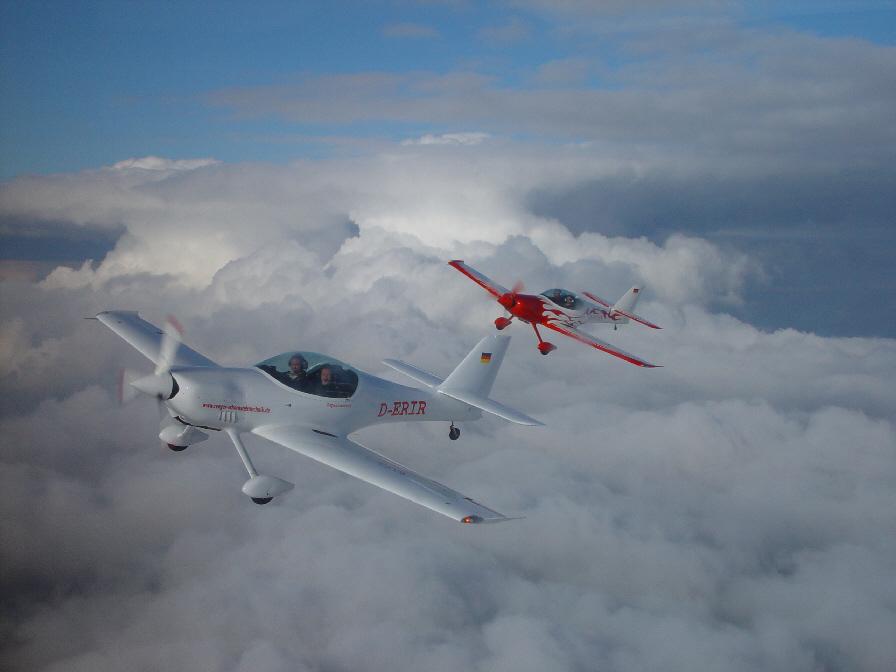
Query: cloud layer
[(731, 510)]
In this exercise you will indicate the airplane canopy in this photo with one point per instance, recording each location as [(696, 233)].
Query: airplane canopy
[(564, 298), (307, 372)]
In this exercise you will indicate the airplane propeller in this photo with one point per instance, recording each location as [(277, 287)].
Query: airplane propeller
[(508, 300), (161, 383)]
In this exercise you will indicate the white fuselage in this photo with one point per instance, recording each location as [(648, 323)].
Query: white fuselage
[(575, 318), (245, 398)]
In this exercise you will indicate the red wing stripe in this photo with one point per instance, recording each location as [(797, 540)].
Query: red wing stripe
[(596, 299), (600, 345), (487, 284), (634, 317)]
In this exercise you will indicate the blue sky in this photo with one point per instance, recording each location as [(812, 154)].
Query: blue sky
[(767, 131), (89, 83)]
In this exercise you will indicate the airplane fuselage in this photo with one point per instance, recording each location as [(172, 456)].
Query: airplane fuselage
[(534, 309), (246, 398)]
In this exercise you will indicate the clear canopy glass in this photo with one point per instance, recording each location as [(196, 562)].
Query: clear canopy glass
[(312, 373), (564, 298)]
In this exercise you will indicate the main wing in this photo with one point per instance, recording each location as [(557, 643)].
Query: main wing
[(147, 338), (587, 339), (356, 460), (488, 284)]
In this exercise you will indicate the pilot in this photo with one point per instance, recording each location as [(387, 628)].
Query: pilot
[(569, 301), (296, 376)]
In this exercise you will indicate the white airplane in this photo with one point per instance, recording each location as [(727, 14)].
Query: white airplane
[(309, 403), (562, 311)]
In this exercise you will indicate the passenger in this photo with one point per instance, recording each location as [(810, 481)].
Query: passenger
[(327, 386)]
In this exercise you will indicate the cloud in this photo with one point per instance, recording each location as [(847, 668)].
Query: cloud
[(449, 139), (752, 103), (162, 164), (730, 510)]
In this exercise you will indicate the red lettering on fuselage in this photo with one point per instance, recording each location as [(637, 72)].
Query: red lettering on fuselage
[(416, 407)]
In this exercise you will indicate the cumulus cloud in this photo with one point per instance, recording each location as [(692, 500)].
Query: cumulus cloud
[(731, 510), (449, 139)]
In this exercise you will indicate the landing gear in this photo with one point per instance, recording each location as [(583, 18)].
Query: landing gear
[(502, 323), (176, 449), (454, 432), (543, 346), (260, 489)]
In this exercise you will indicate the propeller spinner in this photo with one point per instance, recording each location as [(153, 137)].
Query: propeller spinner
[(161, 384)]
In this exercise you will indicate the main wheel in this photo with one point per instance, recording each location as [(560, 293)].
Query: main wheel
[(454, 433), (544, 347), (176, 449), (262, 500)]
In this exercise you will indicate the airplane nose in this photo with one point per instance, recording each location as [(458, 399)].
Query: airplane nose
[(507, 300), (162, 385)]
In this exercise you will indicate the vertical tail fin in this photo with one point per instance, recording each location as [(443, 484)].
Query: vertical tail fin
[(624, 309), (627, 303), (476, 373)]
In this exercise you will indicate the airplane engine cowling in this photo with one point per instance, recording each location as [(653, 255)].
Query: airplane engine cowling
[(177, 434), (507, 300)]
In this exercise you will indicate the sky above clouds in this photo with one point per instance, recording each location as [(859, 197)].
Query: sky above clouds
[(295, 176)]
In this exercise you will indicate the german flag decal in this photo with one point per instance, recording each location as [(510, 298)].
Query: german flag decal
[(486, 357)]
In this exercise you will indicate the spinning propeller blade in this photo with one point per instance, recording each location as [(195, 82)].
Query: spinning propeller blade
[(171, 338), (126, 391), (508, 300), (161, 383)]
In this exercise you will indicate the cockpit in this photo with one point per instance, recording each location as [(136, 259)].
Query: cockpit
[(564, 298), (312, 373)]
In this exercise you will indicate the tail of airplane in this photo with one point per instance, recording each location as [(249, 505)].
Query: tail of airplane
[(472, 379), (627, 303), (624, 307), (476, 373)]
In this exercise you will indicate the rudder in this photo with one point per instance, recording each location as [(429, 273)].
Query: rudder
[(476, 373), (629, 299)]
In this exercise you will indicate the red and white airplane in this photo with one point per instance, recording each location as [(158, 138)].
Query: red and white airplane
[(311, 403), (563, 311)]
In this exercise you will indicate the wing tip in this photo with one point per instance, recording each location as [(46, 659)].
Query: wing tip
[(479, 520)]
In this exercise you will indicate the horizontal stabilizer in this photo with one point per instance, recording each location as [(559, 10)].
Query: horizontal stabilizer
[(493, 407), (597, 299), (412, 371), (634, 317)]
